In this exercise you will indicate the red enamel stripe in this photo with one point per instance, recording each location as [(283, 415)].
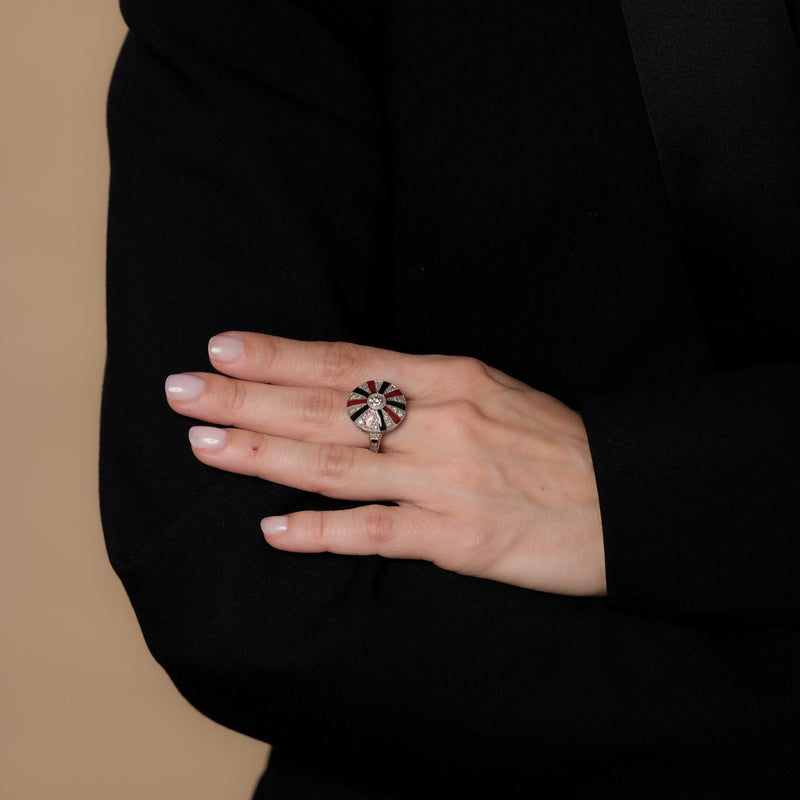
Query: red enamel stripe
[(371, 387), (395, 393), (359, 402), (391, 413)]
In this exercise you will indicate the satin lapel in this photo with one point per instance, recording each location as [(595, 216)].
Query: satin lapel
[(721, 83)]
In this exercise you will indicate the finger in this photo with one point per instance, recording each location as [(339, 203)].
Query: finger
[(309, 414), (352, 473), (336, 365), (369, 530), (393, 532)]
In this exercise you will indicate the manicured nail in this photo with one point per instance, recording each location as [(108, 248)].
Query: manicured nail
[(272, 526), (206, 438), (225, 348), (184, 387)]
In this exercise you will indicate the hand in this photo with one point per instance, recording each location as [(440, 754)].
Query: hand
[(491, 477)]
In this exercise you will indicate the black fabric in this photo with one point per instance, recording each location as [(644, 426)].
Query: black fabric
[(721, 83), (722, 89), (285, 778), (491, 169)]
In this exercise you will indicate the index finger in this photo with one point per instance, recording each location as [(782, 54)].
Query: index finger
[(335, 365)]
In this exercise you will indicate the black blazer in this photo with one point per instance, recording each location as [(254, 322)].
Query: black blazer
[(485, 172)]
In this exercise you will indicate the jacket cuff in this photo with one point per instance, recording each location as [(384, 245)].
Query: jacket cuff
[(699, 487)]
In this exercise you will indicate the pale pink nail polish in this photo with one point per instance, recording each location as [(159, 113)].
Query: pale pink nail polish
[(225, 348), (205, 438), (184, 387), (272, 526)]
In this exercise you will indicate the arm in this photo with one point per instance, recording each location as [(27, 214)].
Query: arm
[(246, 183), (216, 222), (495, 480), (699, 486)]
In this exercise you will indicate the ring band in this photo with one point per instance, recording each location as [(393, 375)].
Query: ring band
[(376, 407)]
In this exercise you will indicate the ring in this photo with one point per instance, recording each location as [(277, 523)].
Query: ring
[(376, 407)]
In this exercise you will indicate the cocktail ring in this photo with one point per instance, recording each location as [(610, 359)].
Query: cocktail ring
[(376, 407)]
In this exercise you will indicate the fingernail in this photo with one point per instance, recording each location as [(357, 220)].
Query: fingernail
[(184, 387), (207, 438), (225, 348), (272, 526)]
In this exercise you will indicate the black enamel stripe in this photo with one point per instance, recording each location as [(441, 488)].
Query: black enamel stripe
[(384, 386), (361, 392), (358, 413), (396, 404), (383, 420)]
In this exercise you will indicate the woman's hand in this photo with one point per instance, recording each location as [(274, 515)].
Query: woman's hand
[(491, 478)]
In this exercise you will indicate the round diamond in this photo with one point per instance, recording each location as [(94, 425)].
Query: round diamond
[(376, 401)]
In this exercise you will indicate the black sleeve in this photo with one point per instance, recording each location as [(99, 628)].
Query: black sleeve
[(247, 187), (700, 481), (249, 191), (699, 488)]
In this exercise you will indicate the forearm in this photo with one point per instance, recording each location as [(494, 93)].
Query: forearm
[(698, 488)]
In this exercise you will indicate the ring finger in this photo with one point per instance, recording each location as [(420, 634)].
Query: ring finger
[(350, 473), (315, 414)]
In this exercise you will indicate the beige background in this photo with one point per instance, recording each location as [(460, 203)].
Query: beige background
[(84, 711)]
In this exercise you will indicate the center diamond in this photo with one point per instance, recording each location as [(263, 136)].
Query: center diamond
[(376, 401)]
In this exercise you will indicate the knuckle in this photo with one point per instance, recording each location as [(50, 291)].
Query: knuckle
[(455, 424), (267, 356), (378, 527), (471, 552), (461, 418), (339, 360), (334, 463), (316, 528), (466, 411), (317, 406), (469, 371), (237, 398)]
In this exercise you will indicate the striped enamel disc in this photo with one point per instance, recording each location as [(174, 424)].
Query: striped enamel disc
[(376, 406)]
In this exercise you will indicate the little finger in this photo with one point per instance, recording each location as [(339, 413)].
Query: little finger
[(387, 531)]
